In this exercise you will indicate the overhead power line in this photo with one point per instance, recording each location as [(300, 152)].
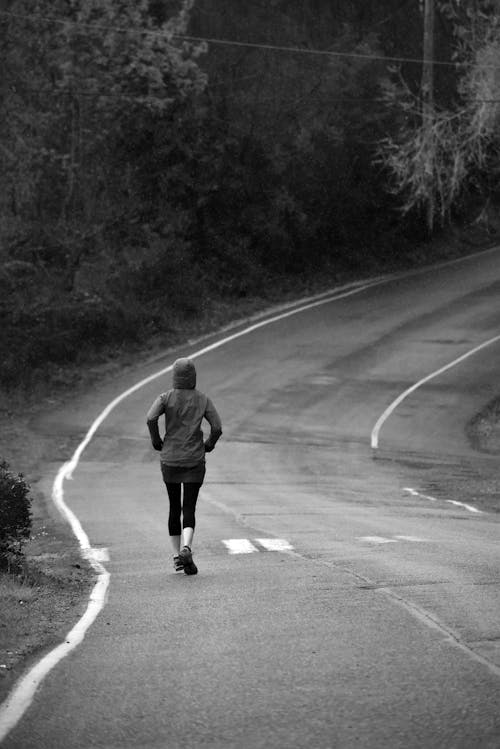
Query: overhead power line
[(309, 51), (236, 43)]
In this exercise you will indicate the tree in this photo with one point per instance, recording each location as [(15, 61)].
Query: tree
[(459, 147), (82, 74), (428, 106)]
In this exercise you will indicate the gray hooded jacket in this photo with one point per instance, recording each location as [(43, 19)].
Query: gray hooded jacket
[(184, 408)]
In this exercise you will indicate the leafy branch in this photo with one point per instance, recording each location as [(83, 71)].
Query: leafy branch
[(458, 150)]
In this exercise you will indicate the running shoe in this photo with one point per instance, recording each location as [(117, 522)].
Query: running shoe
[(178, 565), (186, 558)]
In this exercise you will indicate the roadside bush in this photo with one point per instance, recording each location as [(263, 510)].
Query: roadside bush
[(15, 517)]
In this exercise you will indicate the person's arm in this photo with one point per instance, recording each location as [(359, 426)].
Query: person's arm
[(213, 419), (153, 415)]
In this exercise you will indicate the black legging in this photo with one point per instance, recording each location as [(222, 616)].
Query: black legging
[(188, 506)]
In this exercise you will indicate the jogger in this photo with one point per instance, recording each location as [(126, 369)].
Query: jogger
[(183, 454)]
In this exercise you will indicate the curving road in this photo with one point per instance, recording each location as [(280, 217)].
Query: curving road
[(344, 599)]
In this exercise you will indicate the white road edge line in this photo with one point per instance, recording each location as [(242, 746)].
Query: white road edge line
[(390, 409), (21, 696)]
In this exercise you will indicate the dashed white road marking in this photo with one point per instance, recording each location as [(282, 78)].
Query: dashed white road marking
[(390, 409), (455, 502), (239, 546), (414, 493), (463, 504), (378, 540), (391, 540), (245, 546), (274, 544)]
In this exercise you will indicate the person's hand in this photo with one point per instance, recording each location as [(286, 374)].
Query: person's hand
[(158, 445), (208, 447)]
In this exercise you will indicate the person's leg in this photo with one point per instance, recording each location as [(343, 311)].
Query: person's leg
[(191, 491), (190, 495), (174, 516)]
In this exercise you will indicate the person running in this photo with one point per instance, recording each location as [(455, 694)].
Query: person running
[(183, 454)]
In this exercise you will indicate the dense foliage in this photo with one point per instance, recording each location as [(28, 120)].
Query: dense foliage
[(15, 517), (145, 173)]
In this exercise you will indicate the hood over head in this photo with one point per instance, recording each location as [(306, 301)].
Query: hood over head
[(184, 374)]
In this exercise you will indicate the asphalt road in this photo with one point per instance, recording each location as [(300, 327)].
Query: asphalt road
[(376, 623)]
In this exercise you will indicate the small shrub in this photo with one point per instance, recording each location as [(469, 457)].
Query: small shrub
[(15, 517)]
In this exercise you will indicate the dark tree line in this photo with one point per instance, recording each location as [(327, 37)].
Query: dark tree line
[(146, 176)]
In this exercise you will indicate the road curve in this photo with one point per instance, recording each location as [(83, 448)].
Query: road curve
[(342, 598)]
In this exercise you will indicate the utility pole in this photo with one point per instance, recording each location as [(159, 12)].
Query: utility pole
[(428, 106)]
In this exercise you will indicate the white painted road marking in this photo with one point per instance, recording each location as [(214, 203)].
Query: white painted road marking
[(455, 502), (463, 504), (239, 546), (414, 493), (100, 555), (390, 409), (245, 546), (378, 540), (392, 540), (274, 544)]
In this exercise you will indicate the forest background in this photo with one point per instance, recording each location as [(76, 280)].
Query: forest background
[(151, 180)]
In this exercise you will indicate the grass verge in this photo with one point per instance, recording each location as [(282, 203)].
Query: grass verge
[(39, 605)]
